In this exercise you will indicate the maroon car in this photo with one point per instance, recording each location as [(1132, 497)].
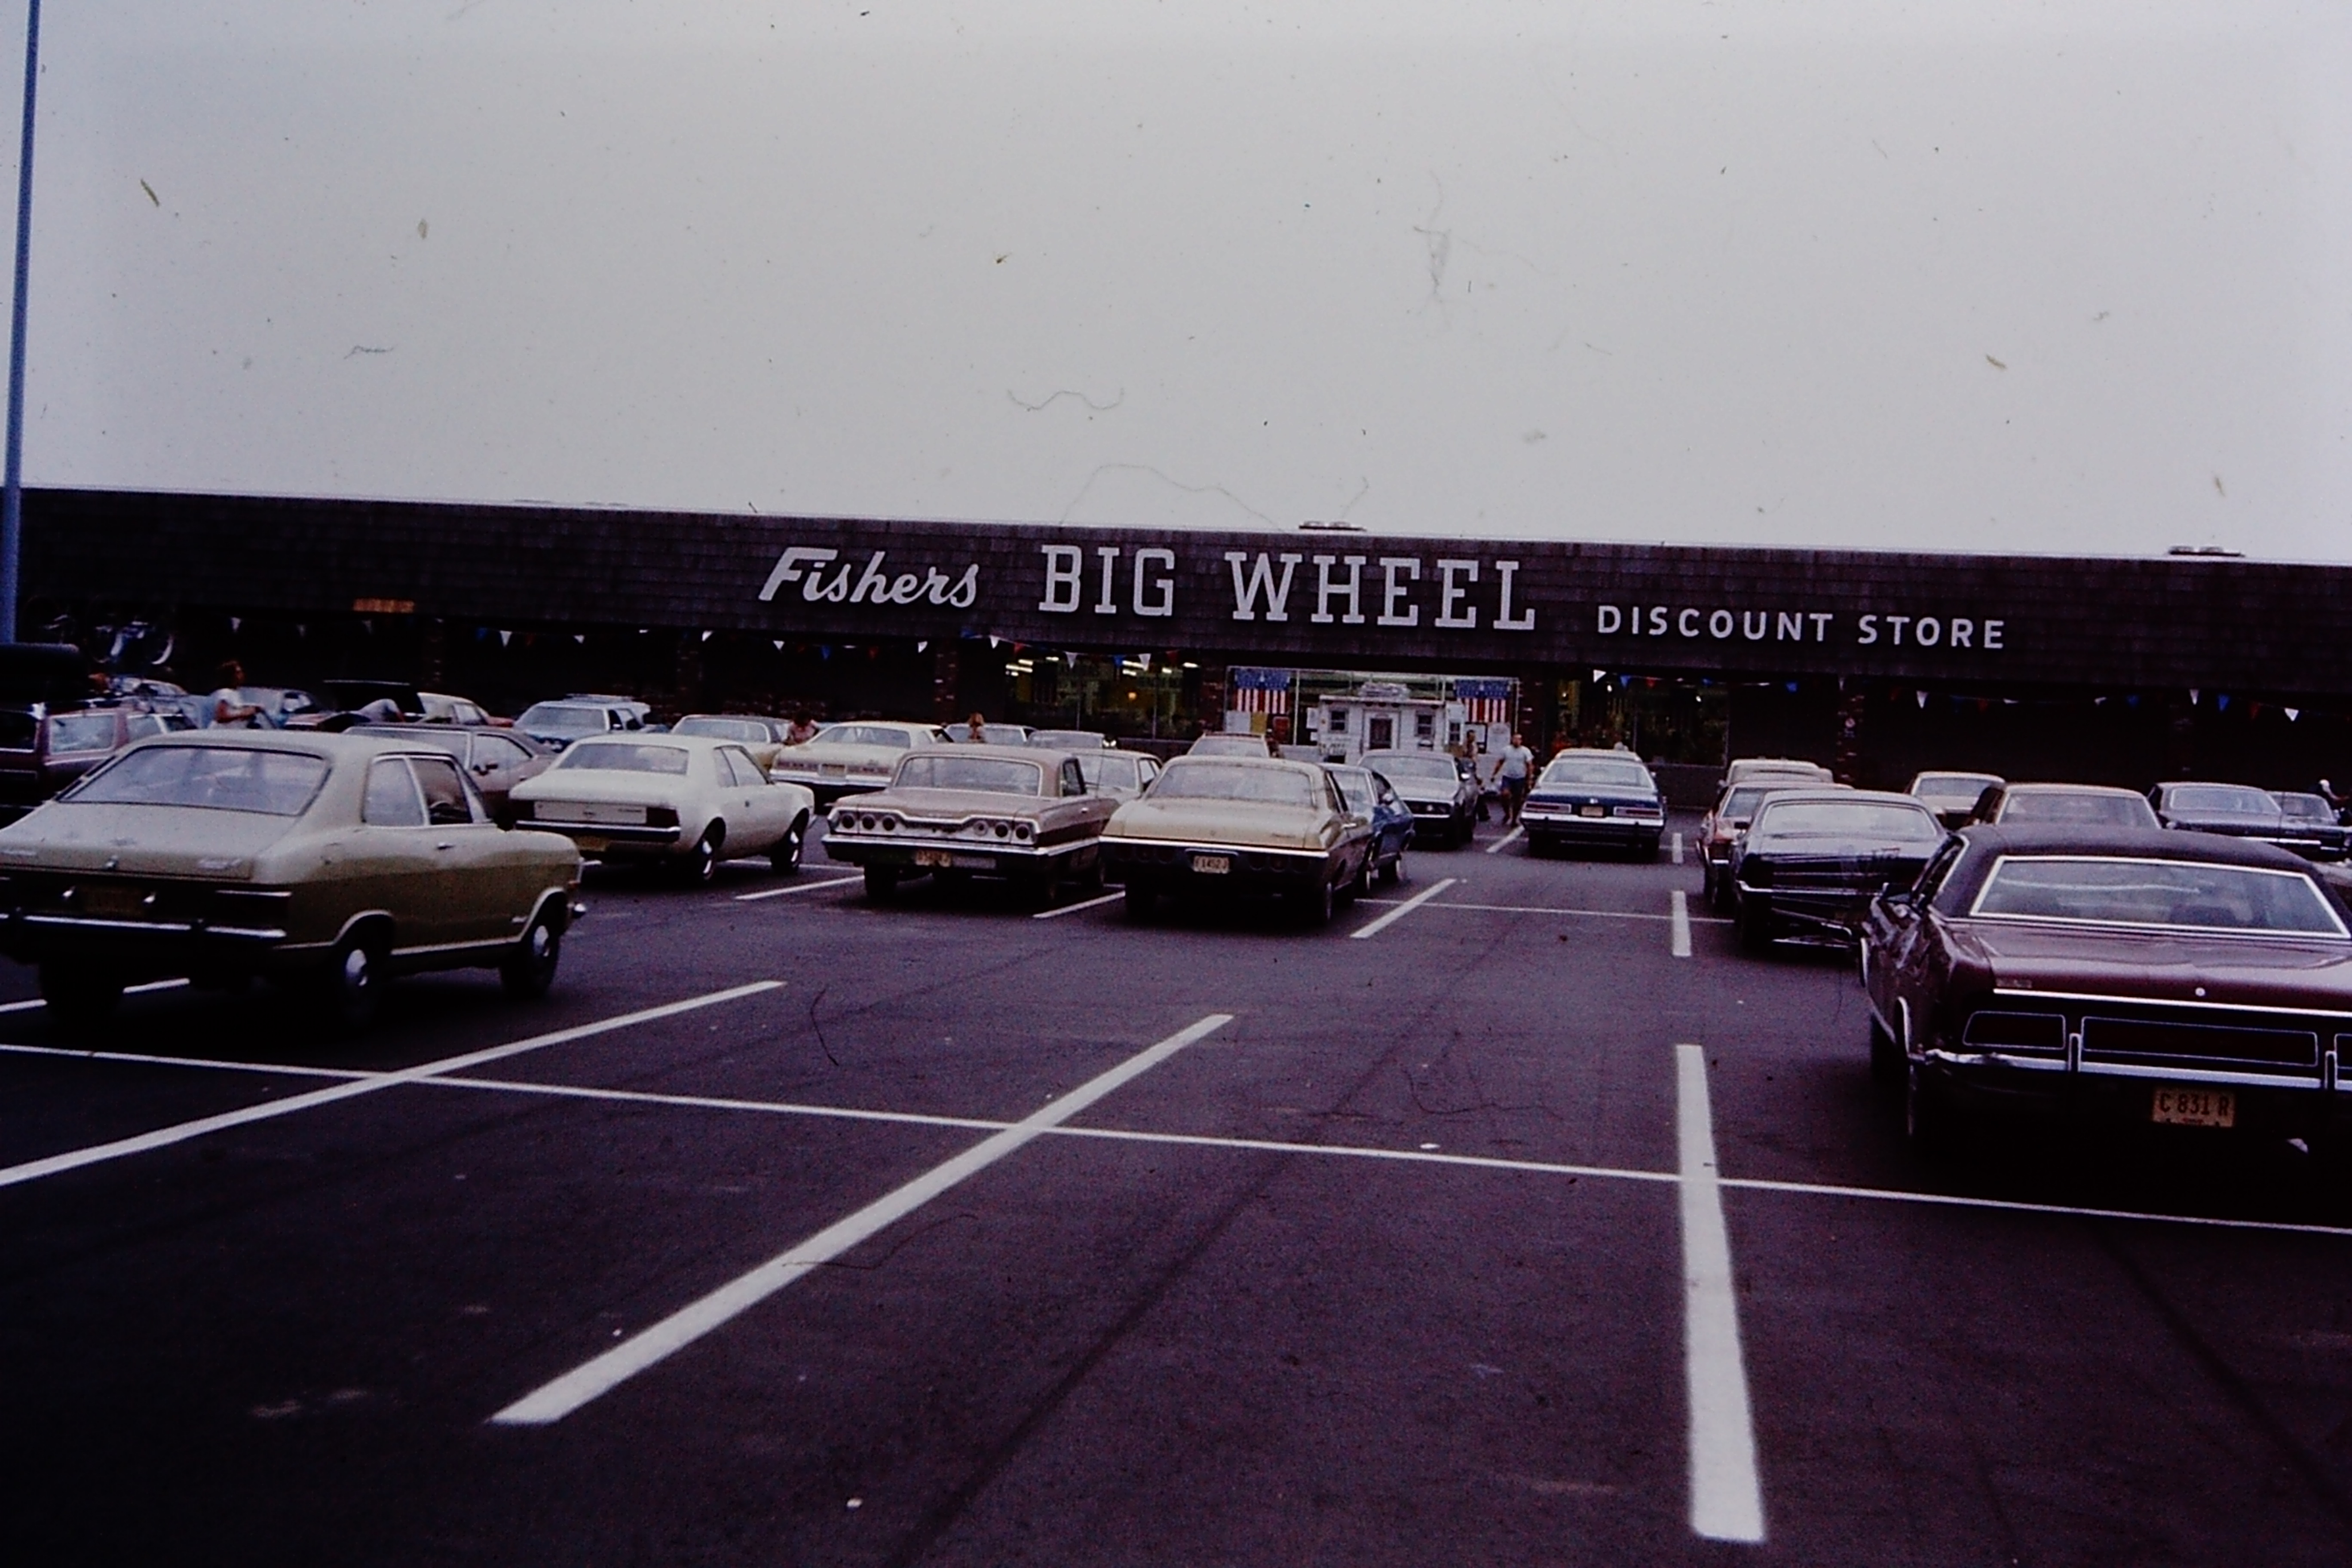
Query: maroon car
[(40, 755), (2167, 979)]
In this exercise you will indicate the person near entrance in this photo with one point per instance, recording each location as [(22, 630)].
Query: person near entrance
[(1512, 773), (230, 709), (975, 729), (803, 731)]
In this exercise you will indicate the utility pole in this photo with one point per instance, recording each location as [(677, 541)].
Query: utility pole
[(12, 490)]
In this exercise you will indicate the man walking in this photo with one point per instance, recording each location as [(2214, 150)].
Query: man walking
[(1512, 770)]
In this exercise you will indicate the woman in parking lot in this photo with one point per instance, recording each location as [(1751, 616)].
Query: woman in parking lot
[(1512, 773)]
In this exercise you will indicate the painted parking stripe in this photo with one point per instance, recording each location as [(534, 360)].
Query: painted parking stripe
[(1375, 926), (1497, 846), (36, 1003), (1572, 914), (575, 1388), (1201, 1140), (1678, 848), (1678, 933), (1727, 1500), (164, 1137), (797, 888), (1072, 909)]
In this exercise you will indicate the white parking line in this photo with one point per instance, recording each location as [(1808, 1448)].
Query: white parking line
[(1074, 909), (575, 1388), (1505, 839), (1200, 1141), (1404, 909), (1678, 848), (1678, 936), (796, 888), (1726, 1502), (1547, 910), (163, 1137), (34, 1003)]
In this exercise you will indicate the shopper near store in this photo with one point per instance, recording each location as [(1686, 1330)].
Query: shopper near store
[(1512, 770)]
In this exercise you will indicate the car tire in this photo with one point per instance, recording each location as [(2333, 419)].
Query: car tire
[(353, 980), (1316, 904), (1361, 885), (79, 995), (786, 855), (881, 883), (1886, 1060), (1753, 919), (1927, 1114), (1393, 872), (702, 861), (530, 970), (1646, 851), (1142, 902)]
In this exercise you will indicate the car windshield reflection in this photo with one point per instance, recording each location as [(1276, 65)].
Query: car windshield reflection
[(211, 778), (2164, 894)]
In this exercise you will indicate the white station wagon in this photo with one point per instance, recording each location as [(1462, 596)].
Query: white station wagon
[(684, 800)]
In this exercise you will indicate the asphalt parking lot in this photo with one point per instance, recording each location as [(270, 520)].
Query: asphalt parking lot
[(1516, 1218)]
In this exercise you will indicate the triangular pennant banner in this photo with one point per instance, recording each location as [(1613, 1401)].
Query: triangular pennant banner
[(505, 637), (1922, 697), (235, 622), (2292, 713)]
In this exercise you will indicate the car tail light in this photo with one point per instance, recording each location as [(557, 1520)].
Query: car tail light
[(1021, 830), (660, 817)]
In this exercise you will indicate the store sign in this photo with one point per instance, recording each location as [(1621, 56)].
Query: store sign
[(1337, 590), (1878, 629), (823, 583)]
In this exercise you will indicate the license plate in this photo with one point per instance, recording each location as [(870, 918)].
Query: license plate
[(1592, 811), (933, 858), (2194, 1108), (591, 811), (1212, 865), (972, 862), (111, 903), (589, 845), (833, 770)]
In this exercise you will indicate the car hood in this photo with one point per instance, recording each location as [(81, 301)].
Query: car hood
[(1219, 822), (151, 840), (2160, 966), (949, 805)]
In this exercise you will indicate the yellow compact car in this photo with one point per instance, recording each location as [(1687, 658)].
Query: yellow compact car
[(336, 860)]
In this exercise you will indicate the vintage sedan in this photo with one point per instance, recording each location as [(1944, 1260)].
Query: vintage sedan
[(1443, 799), (1813, 860), (1606, 800), (2161, 979), (1071, 739), (844, 759), (496, 760), (1227, 826), (759, 734), (1230, 745), (335, 859), (1122, 776), (2232, 810), (1370, 796), (2072, 806), (64, 746), (1953, 796), (685, 802), (556, 725), (1741, 770), (1719, 831), (1012, 812), (2309, 825)]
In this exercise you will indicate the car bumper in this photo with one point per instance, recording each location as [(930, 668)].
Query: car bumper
[(828, 789), (1168, 866), (2265, 1105), (140, 949), (915, 856), (1566, 827), (612, 840)]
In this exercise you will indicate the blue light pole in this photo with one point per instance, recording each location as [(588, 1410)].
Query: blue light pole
[(12, 490)]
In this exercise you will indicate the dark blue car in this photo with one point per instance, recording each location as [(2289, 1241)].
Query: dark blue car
[(1368, 795)]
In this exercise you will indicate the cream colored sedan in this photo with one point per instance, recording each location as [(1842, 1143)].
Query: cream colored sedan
[(842, 759), (685, 800), (1222, 827)]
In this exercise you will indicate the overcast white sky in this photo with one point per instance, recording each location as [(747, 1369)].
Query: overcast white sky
[(1978, 276)]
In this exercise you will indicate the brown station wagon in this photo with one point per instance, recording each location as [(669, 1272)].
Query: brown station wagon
[(331, 860)]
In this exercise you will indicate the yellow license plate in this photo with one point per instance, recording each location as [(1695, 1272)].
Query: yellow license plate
[(1592, 811), (2194, 1108), (933, 858), (589, 845), (1212, 865)]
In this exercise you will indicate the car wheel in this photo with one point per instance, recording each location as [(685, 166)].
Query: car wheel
[(79, 994), (786, 855), (1140, 901), (1754, 920), (1317, 903), (1360, 886), (530, 969), (702, 860), (1886, 1060), (1393, 872), (881, 882), (1927, 1116), (354, 975), (1647, 850)]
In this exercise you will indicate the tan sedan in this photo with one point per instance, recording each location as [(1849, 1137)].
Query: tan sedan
[(1013, 812), (1222, 827), (334, 860)]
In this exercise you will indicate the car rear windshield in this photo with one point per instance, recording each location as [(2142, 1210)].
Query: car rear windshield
[(626, 757), (2308, 807), (1210, 780), (725, 730), (1102, 768), (991, 775), (1067, 740), (863, 735), (1740, 805), (213, 778), (1952, 786), (1846, 819), (1229, 746), (81, 733), (563, 718), (2170, 894), (2079, 810), (1355, 788), (1411, 765), (2222, 800), (1595, 772)]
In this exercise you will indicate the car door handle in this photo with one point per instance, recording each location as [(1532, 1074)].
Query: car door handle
[(444, 843)]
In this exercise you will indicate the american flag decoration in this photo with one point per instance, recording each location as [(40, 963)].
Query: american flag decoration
[(1483, 701), (1264, 691)]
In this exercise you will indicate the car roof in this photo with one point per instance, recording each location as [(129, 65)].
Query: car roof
[(1286, 764), (1840, 796), (990, 748), (746, 717), (2018, 789), (2209, 783), (2136, 843)]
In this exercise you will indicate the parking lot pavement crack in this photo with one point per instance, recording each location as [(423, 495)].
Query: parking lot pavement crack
[(2226, 1379)]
